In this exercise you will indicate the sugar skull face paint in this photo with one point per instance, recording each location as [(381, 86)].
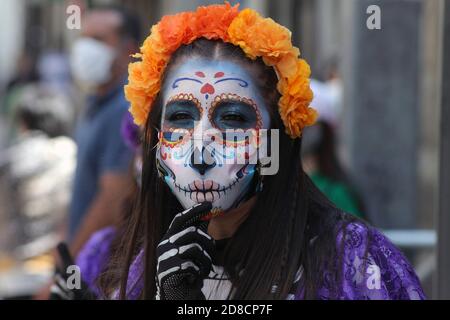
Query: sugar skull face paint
[(212, 113)]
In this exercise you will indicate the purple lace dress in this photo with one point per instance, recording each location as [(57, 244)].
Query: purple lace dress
[(373, 270)]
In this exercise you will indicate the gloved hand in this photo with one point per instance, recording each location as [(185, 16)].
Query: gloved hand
[(59, 290), (184, 256)]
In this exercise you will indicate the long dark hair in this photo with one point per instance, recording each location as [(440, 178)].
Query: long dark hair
[(274, 240)]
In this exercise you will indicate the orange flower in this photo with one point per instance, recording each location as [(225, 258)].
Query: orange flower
[(272, 42), (274, 45), (255, 35), (140, 104), (296, 95), (154, 44), (176, 30), (286, 66), (239, 35), (212, 22)]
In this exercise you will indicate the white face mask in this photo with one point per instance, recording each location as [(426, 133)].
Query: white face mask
[(91, 62), (204, 100)]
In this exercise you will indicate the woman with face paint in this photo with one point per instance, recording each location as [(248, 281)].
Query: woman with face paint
[(225, 210)]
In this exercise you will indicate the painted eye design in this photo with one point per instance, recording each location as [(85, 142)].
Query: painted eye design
[(180, 116), (180, 113), (233, 115), (230, 111)]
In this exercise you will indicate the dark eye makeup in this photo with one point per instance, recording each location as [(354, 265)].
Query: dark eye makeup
[(230, 114), (181, 114)]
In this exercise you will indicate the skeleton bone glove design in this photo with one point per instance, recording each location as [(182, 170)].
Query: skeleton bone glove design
[(184, 256)]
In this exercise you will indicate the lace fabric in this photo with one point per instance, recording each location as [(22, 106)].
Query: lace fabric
[(373, 269)]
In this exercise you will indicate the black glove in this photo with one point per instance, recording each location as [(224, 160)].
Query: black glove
[(184, 256), (59, 289)]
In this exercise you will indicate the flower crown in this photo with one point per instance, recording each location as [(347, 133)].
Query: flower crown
[(255, 35)]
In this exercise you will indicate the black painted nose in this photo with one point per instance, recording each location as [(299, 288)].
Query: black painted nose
[(202, 161)]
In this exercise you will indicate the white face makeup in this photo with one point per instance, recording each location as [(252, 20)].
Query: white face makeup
[(211, 114)]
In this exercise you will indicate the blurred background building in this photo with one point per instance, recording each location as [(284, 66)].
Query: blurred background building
[(382, 92)]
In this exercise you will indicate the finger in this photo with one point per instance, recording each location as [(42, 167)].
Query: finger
[(189, 217), (60, 282), (204, 226), (181, 267), (56, 293), (195, 236), (179, 257), (179, 279), (194, 252), (66, 257), (191, 270), (172, 239), (189, 253), (164, 260), (187, 236), (183, 236), (59, 289), (168, 247)]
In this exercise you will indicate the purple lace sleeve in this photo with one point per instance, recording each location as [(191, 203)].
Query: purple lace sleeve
[(373, 268), (93, 257)]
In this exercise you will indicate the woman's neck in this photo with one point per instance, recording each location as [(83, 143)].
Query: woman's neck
[(225, 226)]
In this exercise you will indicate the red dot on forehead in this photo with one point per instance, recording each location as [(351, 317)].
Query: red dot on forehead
[(200, 74), (219, 74)]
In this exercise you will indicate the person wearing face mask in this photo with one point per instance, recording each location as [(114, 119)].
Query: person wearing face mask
[(99, 58), (218, 216)]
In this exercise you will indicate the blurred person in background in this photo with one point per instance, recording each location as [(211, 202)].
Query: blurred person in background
[(26, 70), (99, 60), (54, 71), (106, 236), (25, 73), (319, 152), (322, 165), (38, 167)]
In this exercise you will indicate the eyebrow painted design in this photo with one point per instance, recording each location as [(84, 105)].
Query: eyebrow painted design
[(208, 89), (175, 83), (242, 83)]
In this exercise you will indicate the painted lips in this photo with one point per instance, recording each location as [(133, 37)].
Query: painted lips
[(205, 190), (204, 185)]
